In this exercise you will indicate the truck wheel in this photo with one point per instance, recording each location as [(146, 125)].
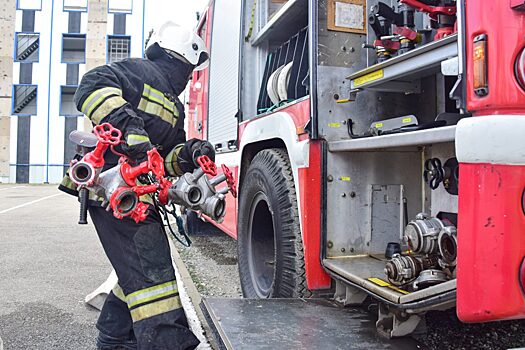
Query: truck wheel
[(269, 244)]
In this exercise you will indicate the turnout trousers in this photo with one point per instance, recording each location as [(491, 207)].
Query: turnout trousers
[(144, 310)]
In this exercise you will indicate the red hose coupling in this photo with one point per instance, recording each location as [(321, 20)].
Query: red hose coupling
[(125, 202)]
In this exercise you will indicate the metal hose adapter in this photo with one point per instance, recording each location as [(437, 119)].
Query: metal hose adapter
[(83, 173), (215, 207)]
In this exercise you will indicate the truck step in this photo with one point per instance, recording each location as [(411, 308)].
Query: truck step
[(295, 324)]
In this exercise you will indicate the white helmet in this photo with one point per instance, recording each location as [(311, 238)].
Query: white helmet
[(181, 43)]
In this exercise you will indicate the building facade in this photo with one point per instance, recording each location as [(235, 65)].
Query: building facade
[(50, 45)]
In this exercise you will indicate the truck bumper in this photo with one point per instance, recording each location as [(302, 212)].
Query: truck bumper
[(491, 218)]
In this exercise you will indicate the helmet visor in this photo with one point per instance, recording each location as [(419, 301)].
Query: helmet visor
[(204, 61)]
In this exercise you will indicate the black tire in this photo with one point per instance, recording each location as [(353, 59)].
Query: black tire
[(269, 244)]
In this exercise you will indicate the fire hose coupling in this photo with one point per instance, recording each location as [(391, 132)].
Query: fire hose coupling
[(198, 192), (119, 187), (86, 171), (125, 203), (83, 173), (402, 269), (426, 235), (215, 207), (421, 234)]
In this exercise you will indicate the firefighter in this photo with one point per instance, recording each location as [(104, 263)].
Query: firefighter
[(139, 97)]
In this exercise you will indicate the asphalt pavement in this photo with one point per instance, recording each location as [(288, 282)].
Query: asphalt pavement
[(48, 263)]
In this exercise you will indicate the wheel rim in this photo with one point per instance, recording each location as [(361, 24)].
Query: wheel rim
[(262, 246)]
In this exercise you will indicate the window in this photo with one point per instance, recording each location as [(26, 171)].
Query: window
[(29, 5), (118, 47), (120, 6), (24, 99), (26, 47), (67, 106), (75, 5), (73, 48)]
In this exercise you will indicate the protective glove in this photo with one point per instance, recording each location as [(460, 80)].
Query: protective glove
[(136, 145), (193, 149)]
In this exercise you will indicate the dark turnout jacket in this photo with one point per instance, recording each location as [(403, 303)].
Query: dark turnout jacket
[(137, 95)]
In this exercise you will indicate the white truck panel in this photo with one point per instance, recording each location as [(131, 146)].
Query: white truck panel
[(224, 72)]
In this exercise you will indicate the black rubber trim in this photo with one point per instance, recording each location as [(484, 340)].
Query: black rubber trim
[(523, 202), (324, 186), (521, 277), (313, 51)]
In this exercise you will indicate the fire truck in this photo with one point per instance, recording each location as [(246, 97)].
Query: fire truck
[(379, 151)]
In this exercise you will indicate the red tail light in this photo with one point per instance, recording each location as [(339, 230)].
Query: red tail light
[(519, 68)]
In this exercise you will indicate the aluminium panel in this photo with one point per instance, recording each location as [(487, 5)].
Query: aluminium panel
[(295, 324), (224, 72)]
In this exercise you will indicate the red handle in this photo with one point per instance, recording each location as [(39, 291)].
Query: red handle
[(156, 163), (207, 165), (108, 134), (433, 11), (229, 180)]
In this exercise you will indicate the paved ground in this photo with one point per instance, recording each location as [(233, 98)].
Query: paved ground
[(48, 264)]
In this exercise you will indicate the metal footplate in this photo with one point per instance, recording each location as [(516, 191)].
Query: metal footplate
[(295, 324)]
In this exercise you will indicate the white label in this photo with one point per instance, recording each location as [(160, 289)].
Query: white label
[(30, 4), (349, 16), (121, 6), (75, 5)]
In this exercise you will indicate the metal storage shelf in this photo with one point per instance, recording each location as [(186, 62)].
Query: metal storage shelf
[(412, 138), (358, 269), (281, 26), (402, 72)]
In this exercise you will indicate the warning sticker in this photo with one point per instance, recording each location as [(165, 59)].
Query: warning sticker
[(378, 74), (379, 281), (382, 283)]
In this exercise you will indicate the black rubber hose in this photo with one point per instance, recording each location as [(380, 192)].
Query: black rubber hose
[(83, 197)]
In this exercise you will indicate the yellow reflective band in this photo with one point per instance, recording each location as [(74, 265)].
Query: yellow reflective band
[(156, 308), (157, 96), (68, 183), (153, 297), (106, 108), (96, 98), (133, 139), (170, 162), (151, 293), (157, 110), (119, 293)]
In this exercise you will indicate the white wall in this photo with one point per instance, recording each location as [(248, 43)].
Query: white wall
[(50, 74)]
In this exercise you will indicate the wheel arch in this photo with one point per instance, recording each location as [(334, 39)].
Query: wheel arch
[(277, 130)]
